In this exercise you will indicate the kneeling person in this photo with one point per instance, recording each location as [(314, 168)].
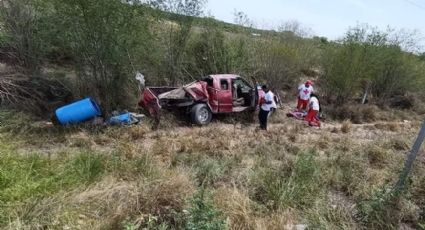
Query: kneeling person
[(313, 112)]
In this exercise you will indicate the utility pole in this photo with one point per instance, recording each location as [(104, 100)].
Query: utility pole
[(410, 159)]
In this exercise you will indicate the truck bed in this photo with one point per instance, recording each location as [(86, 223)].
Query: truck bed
[(155, 98), (156, 91)]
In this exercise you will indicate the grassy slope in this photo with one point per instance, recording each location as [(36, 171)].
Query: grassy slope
[(182, 177)]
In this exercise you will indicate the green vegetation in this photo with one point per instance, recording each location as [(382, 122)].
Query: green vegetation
[(33, 176), (105, 43), (216, 177), (213, 177), (202, 214), (371, 62)]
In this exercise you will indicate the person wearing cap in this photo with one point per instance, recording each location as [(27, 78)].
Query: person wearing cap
[(304, 92), (266, 104)]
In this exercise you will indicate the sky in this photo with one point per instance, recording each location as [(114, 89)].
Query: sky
[(328, 18)]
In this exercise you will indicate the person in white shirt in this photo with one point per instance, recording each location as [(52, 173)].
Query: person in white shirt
[(266, 104), (314, 109), (273, 106), (304, 92)]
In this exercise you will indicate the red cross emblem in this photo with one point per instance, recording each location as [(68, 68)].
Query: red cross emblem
[(306, 91)]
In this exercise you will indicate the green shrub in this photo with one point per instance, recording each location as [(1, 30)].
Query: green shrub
[(381, 210), (209, 171), (370, 61), (87, 166), (288, 187), (327, 214), (203, 215), (29, 177), (345, 172)]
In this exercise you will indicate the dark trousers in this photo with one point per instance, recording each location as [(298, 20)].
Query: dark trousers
[(262, 116)]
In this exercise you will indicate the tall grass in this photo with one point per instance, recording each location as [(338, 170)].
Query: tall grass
[(288, 186), (35, 176), (209, 177)]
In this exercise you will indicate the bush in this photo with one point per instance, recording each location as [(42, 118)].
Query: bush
[(105, 38), (369, 62)]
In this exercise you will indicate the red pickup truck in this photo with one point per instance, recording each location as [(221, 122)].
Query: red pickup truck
[(214, 94)]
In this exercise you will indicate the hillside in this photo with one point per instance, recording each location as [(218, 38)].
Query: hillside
[(227, 175)]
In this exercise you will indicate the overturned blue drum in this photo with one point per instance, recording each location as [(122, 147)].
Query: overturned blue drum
[(78, 112)]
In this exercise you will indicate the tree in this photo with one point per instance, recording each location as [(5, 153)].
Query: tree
[(367, 61), (183, 7), (175, 36), (26, 30), (106, 38), (296, 28), (242, 19)]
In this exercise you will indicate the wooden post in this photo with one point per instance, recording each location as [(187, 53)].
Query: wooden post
[(410, 159)]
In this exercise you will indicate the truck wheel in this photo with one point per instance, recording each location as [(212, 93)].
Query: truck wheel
[(201, 114)]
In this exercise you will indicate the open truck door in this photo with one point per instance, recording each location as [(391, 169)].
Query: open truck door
[(257, 93), (256, 96), (150, 102)]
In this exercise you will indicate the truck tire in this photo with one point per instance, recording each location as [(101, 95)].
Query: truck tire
[(200, 114)]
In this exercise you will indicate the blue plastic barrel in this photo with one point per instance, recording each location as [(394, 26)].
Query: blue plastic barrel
[(78, 111)]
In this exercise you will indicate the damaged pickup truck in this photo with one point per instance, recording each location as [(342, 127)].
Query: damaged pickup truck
[(214, 94)]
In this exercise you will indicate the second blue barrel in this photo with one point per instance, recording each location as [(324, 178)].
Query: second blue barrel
[(124, 118), (78, 112)]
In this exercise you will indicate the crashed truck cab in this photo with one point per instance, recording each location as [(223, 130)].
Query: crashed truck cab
[(214, 94)]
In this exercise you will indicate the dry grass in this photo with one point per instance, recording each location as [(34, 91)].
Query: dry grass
[(292, 137), (377, 156), (343, 144), (259, 180), (399, 144), (237, 207), (392, 126), (346, 126), (285, 219), (324, 143), (109, 202)]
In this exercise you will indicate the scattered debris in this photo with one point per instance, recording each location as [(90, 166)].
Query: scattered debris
[(141, 79), (87, 110), (125, 118)]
